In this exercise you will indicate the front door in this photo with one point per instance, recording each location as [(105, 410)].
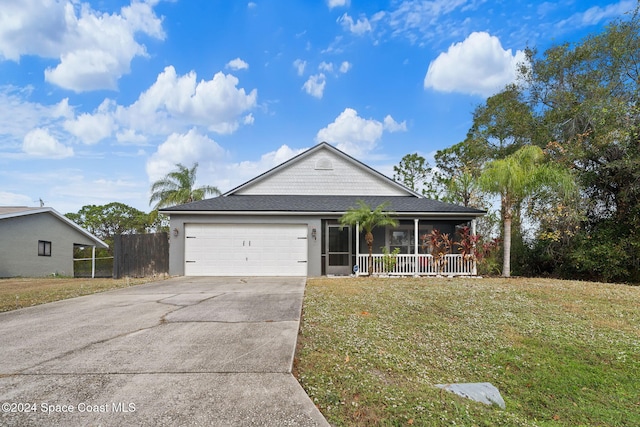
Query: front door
[(338, 249)]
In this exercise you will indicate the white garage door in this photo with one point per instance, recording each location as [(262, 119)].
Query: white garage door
[(245, 250)]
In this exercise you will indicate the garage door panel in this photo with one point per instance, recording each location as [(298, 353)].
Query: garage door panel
[(248, 250)]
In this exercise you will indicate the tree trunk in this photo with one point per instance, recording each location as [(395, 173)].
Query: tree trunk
[(506, 258), (369, 239)]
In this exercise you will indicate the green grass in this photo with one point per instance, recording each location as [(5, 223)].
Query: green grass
[(26, 292), (561, 353)]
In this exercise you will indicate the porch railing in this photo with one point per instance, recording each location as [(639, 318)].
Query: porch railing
[(420, 265)]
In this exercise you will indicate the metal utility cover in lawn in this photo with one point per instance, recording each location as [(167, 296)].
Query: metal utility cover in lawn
[(485, 393)]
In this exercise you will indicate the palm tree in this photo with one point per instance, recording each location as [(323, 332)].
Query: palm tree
[(366, 219), (516, 177), (178, 187)]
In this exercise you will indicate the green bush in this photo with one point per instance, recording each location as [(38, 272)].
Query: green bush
[(390, 259), (604, 254)]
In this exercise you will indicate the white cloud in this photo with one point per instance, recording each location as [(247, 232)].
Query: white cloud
[(180, 100), (68, 189), (95, 49), (338, 3), (13, 199), (393, 126), (186, 149), (355, 135), (345, 67), (172, 104), (63, 109), (359, 27), (214, 167), (237, 64), (275, 158), (248, 119), (314, 86), (252, 5), (130, 136), (300, 66), (91, 128), (419, 19), (72, 187), (33, 27), (596, 14), (545, 8), (235, 174), (478, 65), (40, 143), (18, 116), (326, 67), (336, 46), (378, 16)]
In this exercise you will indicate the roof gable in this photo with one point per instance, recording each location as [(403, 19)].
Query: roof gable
[(13, 212), (325, 170)]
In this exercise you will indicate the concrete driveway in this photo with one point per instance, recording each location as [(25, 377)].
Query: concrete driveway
[(184, 351)]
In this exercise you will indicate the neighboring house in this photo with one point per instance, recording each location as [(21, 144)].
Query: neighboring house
[(37, 242), (285, 223)]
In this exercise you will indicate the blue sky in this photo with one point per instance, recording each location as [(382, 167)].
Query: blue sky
[(98, 99)]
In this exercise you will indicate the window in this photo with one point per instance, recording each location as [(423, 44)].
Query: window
[(403, 237), (44, 248)]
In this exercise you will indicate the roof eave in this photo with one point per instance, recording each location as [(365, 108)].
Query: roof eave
[(98, 242), (321, 213)]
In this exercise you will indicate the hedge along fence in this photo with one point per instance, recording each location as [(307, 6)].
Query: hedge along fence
[(140, 255)]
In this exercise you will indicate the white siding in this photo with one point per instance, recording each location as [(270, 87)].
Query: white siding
[(325, 173)]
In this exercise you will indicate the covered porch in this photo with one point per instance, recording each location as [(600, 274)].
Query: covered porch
[(398, 251)]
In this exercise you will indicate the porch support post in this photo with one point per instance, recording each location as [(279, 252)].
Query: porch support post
[(415, 247), (358, 248), (93, 262), (474, 271)]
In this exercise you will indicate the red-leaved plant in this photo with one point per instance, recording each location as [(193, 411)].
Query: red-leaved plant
[(469, 245)]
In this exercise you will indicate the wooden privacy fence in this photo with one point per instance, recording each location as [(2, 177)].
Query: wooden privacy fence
[(140, 255)]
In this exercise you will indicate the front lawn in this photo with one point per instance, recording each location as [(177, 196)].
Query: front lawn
[(21, 292), (561, 353)]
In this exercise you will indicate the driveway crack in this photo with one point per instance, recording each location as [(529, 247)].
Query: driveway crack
[(94, 343)]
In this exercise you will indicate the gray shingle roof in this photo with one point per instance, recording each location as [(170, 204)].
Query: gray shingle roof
[(328, 204)]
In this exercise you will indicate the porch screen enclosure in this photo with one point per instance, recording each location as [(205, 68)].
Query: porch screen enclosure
[(405, 256), (338, 249)]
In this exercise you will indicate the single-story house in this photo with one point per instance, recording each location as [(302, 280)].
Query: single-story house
[(36, 242), (285, 222)]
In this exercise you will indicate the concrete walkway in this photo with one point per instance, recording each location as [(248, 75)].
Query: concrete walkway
[(184, 351)]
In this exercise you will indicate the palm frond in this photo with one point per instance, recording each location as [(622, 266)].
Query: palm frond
[(177, 187)]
